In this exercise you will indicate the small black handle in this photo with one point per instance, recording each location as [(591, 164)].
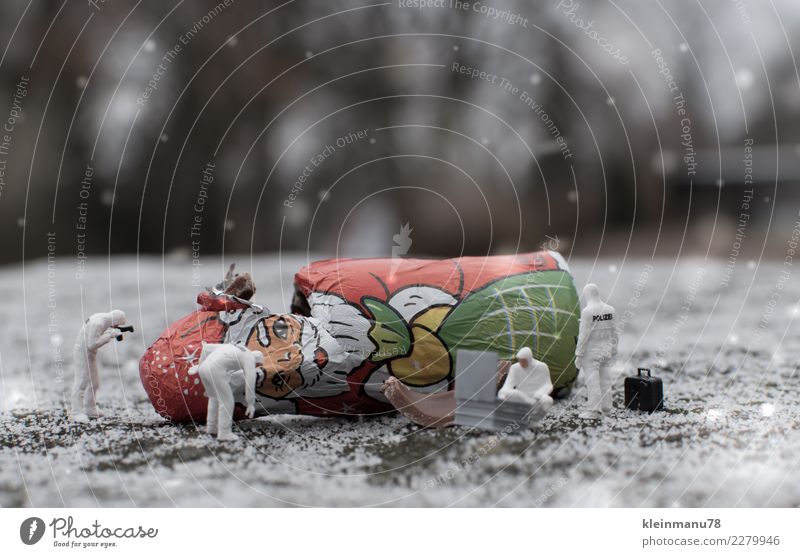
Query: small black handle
[(641, 369)]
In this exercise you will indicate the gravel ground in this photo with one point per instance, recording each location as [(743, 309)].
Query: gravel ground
[(730, 435)]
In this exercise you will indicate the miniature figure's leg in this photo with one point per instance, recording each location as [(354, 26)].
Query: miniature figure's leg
[(89, 402), (79, 385), (212, 415), (226, 404), (605, 386), (544, 404), (540, 408), (593, 406), (90, 397), (593, 386)]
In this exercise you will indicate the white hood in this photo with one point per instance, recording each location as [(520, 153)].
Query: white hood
[(525, 353), (117, 317), (591, 293)]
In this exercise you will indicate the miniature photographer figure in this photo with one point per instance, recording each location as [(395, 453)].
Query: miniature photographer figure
[(95, 333)]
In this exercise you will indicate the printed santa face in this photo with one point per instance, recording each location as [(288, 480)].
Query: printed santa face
[(296, 358), (279, 338)]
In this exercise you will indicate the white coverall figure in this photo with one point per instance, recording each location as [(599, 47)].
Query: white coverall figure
[(218, 367), (596, 350), (528, 381), (98, 331)]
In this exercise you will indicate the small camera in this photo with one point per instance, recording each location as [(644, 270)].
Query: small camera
[(124, 329)]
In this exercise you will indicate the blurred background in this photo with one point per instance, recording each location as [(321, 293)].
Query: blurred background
[(147, 144), (595, 127)]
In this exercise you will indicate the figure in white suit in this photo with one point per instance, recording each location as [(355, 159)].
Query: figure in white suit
[(528, 381), (220, 367), (95, 333), (596, 350)]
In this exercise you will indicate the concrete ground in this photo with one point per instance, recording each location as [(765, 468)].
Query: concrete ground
[(730, 435)]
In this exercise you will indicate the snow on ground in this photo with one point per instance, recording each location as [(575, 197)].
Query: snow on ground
[(730, 434)]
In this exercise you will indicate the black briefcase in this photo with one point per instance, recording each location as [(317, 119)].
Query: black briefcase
[(644, 392)]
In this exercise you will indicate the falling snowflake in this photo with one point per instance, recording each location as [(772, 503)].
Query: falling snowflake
[(744, 78)]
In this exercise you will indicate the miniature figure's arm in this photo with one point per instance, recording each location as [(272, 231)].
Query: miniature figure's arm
[(614, 333), (103, 339), (614, 342), (512, 379), (583, 335), (544, 372), (249, 368)]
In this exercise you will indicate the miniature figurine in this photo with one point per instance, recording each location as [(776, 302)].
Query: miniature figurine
[(476, 401), (218, 367), (528, 381), (596, 350), (95, 333)]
